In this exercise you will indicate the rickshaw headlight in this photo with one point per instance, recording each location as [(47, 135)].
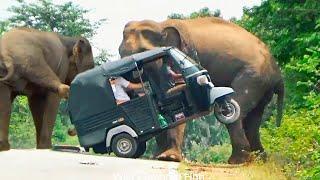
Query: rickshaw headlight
[(202, 80)]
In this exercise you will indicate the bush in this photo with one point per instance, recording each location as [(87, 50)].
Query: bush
[(297, 141), (208, 155), (22, 133), (21, 128)]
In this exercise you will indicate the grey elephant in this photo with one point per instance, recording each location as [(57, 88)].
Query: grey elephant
[(233, 56), (39, 65)]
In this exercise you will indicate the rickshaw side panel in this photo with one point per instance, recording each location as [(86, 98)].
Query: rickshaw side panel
[(142, 114)]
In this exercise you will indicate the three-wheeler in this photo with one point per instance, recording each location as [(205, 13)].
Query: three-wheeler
[(107, 127)]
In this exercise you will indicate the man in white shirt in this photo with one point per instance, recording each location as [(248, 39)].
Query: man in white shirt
[(119, 84)]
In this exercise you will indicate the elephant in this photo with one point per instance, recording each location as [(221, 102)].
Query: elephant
[(233, 57), (41, 66)]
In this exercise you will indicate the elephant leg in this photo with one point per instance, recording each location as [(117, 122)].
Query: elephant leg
[(37, 104), (170, 143), (44, 111), (5, 112), (252, 124), (49, 118), (248, 92)]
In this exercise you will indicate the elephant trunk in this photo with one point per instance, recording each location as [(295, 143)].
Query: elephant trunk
[(7, 67), (279, 90)]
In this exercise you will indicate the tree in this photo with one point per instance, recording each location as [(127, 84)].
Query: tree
[(66, 19), (3, 27), (204, 12), (102, 57), (280, 23)]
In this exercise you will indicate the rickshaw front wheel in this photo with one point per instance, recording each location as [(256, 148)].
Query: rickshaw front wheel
[(227, 110), (124, 145)]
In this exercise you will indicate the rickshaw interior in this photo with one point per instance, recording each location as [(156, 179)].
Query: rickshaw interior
[(147, 104)]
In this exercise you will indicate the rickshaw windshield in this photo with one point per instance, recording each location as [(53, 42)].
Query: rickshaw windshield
[(181, 59)]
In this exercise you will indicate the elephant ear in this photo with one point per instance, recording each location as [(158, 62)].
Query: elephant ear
[(171, 37), (177, 36)]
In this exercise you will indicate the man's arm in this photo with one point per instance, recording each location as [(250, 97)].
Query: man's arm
[(134, 86), (173, 74), (127, 84)]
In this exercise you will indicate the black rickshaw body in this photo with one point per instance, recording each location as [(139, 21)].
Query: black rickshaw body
[(97, 117)]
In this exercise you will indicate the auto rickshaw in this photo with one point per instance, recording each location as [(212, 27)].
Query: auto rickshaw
[(106, 127)]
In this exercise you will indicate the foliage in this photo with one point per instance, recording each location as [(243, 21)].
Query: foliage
[(208, 154), (102, 57), (3, 27), (206, 131), (302, 75), (204, 12), (279, 23), (297, 141), (67, 19), (22, 131)]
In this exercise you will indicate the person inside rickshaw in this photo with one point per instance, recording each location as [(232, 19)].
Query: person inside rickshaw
[(120, 85), (171, 81)]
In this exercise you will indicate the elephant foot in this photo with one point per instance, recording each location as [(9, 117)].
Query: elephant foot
[(170, 155), (63, 91), (44, 146), (240, 157), (4, 146)]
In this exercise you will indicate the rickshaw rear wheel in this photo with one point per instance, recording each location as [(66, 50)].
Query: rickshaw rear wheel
[(100, 148), (124, 145), (142, 147)]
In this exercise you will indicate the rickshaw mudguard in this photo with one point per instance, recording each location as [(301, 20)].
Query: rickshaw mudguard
[(117, 130), (92, 138), (217, 92)]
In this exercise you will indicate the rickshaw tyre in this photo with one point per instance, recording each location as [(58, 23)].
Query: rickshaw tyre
[(228, 120), (142, 147), (128, 138)]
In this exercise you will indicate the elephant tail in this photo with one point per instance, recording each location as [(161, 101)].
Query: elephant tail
[(279, 90), (72, 132), (8, 67)]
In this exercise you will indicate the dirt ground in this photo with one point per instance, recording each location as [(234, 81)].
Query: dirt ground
[(253, 171)]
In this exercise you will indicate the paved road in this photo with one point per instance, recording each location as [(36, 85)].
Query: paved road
[(47, 165)]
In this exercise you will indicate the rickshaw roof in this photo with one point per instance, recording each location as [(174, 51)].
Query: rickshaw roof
[(129, 63)]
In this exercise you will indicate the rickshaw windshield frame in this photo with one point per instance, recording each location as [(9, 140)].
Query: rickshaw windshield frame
[(181, 60)]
